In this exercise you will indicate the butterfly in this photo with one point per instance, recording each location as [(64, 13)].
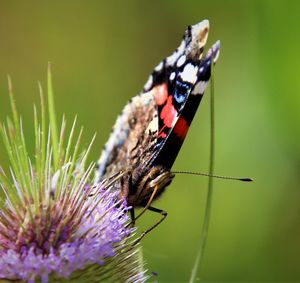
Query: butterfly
[(150, 131)]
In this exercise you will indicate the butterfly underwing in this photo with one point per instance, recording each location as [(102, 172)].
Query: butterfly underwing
[(149, 132)]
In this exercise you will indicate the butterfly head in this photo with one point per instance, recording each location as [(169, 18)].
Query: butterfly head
[(154, 179)]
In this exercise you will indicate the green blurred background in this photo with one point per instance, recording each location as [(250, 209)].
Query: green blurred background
[(102, 53)]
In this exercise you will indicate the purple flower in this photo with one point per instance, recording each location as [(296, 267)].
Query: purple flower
[(85, 234), (54, 226)]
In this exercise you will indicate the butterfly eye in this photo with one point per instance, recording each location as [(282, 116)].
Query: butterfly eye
[(152, 176), (154, 173)]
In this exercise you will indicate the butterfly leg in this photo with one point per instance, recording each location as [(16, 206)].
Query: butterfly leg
[(163, 217), (163, 214), (148, 203), (132, 222), (132, 215)]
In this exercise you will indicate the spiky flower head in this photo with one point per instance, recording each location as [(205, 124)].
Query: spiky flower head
[(54, 226)]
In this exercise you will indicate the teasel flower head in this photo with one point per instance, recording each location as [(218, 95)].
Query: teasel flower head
[(54, 225)]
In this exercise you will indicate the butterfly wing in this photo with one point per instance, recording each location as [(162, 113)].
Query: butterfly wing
[(175, 136), (149, 120), (130, 139)]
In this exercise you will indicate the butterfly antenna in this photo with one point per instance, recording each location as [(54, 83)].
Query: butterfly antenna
[(214, 176)]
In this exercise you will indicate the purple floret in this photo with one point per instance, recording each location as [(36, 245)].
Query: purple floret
[(92, 242)]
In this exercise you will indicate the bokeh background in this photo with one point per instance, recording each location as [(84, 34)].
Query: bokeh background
[(101, 55)]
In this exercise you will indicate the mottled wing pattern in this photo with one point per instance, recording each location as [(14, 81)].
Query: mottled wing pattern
[(132, 139)]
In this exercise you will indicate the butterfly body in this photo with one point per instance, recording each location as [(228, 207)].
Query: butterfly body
[(149, 133)]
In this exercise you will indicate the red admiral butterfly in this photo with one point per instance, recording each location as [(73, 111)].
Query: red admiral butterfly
[(148, 134)]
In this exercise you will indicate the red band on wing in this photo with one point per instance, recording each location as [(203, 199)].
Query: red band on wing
[(168, 113), (181, 128)]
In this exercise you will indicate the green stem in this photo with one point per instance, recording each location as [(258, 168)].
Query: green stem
[(52, 118), (205, 225)]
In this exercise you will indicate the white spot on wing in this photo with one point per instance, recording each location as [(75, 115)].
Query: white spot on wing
[(159, 67), (172, 76), (189, 73), (153, 125), (199, 88), (181, 61), (149, 83), (173, 58)]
